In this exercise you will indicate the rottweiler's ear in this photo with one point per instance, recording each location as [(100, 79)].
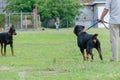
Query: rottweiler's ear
[(83, 27), (75, 30), (12, 26)]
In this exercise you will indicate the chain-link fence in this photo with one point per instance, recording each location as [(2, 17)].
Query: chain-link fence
[(22, 20)]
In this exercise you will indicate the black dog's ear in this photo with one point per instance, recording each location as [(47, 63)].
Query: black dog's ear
[(83, 27), (75, 30)]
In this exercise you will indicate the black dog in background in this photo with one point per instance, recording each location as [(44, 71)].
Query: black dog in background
[(7, 38), (87, 41)]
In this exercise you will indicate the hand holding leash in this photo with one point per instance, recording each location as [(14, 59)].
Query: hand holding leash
[(103, 22)]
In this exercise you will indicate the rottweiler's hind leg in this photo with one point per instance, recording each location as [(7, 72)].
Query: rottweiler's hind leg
[(91, 56), (99, 51), (90, 53), (87, 55)]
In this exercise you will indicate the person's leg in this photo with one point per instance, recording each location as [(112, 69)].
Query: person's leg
[(57, 27), (114, 36)]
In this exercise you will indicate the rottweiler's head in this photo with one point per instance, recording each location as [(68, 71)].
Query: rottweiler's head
[(12, 30), (78, 29)]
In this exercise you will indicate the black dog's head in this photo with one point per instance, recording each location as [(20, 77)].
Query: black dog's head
[(78, 29), (12, 30)]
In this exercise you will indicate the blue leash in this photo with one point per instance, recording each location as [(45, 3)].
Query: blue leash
[(97, 23)]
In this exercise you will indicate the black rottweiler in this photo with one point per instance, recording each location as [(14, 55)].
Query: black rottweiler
[(7, 38), (87, 41)]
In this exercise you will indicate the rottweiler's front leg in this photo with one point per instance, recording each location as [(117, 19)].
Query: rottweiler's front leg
[(12, 50), (83, 54), (2, 49)]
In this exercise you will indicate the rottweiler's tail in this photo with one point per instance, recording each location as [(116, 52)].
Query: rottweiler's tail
[(94, 36)]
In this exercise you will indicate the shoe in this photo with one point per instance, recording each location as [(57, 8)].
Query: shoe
[(112, 60)]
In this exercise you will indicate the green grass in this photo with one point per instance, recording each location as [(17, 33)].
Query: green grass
[(54, 55)]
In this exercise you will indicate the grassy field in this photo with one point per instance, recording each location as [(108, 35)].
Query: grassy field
[(54, 55)]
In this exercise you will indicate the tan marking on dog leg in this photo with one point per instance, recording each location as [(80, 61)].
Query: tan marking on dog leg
[(2, 50), (12, 51)]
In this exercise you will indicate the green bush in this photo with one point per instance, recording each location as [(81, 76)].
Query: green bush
[(2, 20)]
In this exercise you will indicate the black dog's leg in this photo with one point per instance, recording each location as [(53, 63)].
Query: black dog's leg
[(4, 49), (99, 51), (1, 49), (87, 55), (83, 54), (12, 51), (91, 54)]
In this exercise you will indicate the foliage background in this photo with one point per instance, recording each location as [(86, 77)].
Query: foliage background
[(66, 10), (2, 20)]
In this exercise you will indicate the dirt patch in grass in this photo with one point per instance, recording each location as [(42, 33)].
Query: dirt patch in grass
[(4, 68)]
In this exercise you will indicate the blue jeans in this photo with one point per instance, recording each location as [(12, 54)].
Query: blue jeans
[(57, 27)]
